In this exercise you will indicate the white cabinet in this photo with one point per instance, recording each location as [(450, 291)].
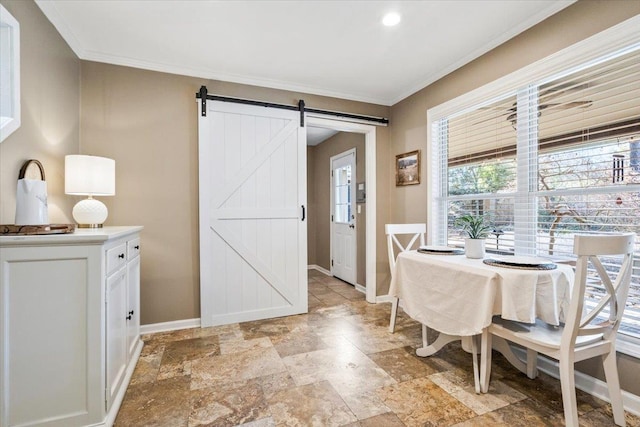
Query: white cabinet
[(116, 333), (69, 326), (133, 295), (122, 313)]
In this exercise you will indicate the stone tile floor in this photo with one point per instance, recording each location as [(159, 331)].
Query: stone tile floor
[(335, 366)]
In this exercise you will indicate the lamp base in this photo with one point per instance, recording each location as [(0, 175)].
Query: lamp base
[(89, 225), (90, 213)]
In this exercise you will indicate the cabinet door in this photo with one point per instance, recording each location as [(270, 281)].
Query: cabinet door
[(50, 340), (116, 330), (133, 304)]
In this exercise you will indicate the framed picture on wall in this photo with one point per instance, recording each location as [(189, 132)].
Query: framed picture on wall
[(408, 168)]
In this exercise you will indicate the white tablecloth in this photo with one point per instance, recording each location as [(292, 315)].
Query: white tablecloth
[(458, 296)]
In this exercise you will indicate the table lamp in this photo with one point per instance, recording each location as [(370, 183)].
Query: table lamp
[(89, 176)]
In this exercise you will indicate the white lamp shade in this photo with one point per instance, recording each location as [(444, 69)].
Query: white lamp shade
[(89, 175)]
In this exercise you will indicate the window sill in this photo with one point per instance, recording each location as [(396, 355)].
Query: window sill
[(628, 345)]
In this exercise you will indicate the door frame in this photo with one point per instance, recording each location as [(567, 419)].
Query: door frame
[(351, 151), (369, 131)]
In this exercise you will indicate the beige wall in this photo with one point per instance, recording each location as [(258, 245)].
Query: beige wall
[(409, 117), (50, 103), (318, 184), (409, 123), (147, 122), (312, 208)]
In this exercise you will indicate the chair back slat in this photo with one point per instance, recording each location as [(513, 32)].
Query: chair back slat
[(611, 298), (590, 249), (405, 228), (393, 230)]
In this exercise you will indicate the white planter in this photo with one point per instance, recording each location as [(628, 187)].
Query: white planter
[(474, 248)]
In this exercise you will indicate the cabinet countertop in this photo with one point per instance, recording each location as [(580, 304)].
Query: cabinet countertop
[(80, 236)]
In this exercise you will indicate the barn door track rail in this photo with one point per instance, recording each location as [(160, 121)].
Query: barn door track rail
[(203, 95)]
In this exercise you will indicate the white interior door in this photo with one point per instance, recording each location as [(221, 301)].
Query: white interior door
[(343, 219), (253, 232)]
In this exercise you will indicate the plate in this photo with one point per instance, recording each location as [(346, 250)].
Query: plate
[(437, 249), (522, 260)]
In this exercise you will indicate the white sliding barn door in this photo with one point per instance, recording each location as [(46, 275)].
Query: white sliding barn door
[(253, 237)]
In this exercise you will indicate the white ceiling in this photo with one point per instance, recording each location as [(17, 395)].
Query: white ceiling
[(332, 48), (317, 135)]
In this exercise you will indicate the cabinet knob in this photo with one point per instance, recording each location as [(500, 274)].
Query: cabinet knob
[(129, 317), (131, 313), (121, 256), (136, 247)]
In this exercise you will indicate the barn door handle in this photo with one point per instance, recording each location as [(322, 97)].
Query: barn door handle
[(303, 213)]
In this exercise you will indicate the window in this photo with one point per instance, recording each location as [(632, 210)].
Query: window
[(549, 156), (9, 74), (342, 194)]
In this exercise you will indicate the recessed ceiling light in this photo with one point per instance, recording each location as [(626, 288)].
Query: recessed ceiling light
[(391, 19)]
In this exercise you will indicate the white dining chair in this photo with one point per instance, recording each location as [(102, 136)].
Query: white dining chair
[(415, 234), (588, 331)]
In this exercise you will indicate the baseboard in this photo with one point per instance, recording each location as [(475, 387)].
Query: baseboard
[(584, 382), (318, 268), (357, 286), (169, 326), (384, 298)]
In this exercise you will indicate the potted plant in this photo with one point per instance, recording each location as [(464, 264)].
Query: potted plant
[(477, 231)]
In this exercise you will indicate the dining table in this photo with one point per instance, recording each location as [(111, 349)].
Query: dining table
[(458, 296)]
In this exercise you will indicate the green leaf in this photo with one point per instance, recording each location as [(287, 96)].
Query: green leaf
[(474, 226)]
